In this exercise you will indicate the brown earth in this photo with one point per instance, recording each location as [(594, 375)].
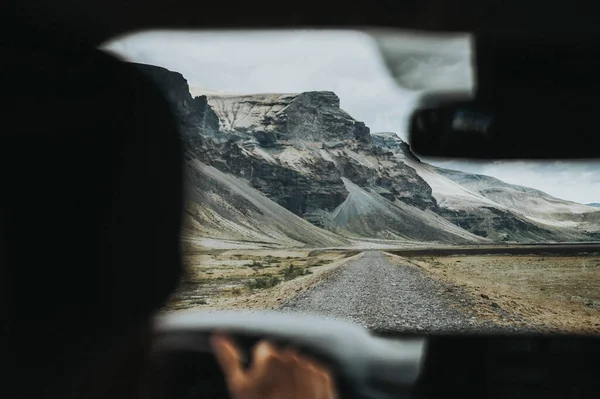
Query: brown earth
[(252, 279), (555, 293)]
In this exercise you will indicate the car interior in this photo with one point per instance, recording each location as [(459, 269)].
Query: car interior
[(385, 364), (536, 66)]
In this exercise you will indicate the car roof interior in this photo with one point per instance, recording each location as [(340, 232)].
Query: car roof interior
[(97, 21), (515, 28), (523, 49)]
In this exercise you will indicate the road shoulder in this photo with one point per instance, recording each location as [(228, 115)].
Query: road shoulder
[(274, 297), (497, 299)]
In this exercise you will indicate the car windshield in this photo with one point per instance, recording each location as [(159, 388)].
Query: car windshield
[(304, 196)]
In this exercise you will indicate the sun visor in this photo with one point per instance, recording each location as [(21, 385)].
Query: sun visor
[(421, 61)]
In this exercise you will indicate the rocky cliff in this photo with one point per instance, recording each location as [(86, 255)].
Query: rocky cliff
[(223, 207), (197, 118), (304, 153), (277, 118)]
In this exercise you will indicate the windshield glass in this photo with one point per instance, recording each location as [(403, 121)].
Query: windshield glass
[(304, 196)]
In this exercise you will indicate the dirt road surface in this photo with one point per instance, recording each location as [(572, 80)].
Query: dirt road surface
[(380, 295)]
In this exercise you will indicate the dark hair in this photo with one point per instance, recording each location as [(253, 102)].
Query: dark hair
[(90, 205)]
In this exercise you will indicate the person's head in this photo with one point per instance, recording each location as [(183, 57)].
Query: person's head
[(90, 211)]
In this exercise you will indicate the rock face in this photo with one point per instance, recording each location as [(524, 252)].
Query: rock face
[(534, 213), (296, 148), (273, 118), (197, 119), (223, 207), (308, 156), (491, 208), (366, 214)]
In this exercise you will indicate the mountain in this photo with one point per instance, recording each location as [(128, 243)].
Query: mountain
[(491, 208), (594, 204), (296, 169), (224, 207), (365, 213), (308, 155), (573, 220)]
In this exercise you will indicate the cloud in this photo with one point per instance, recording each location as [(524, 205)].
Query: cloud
[(346, 62), (572, 180), (350, 64)]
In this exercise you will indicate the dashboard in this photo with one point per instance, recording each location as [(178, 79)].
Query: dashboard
[(391, 366), (511, 366)]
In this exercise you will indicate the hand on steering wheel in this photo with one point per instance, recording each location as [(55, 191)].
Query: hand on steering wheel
[(274, 373)]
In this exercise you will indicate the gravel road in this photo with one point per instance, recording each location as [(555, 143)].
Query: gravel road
[(373, 292)]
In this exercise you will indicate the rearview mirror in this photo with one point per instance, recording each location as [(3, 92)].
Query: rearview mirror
[(534, 99), (523, 127)]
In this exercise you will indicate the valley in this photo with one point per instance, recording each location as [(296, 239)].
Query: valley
[(553, 292), (252, 279), (294, 169), (292, 204), (481, 290)]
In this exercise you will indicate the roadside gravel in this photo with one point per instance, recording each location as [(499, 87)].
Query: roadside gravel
[(379, 295)]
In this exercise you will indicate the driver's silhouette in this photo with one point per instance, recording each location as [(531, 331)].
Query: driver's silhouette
[(90, 211)]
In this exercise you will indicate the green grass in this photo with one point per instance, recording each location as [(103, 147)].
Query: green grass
[(292, 272), (264, 281), (256, 265), (318, 262)]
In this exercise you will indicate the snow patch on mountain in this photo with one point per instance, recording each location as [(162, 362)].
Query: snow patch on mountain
[(254, 111), (449, 194), (533, 204)]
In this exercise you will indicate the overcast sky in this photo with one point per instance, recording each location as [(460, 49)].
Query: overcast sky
[(349, 64)]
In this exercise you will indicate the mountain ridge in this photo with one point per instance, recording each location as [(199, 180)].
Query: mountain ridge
[(305, 154)]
